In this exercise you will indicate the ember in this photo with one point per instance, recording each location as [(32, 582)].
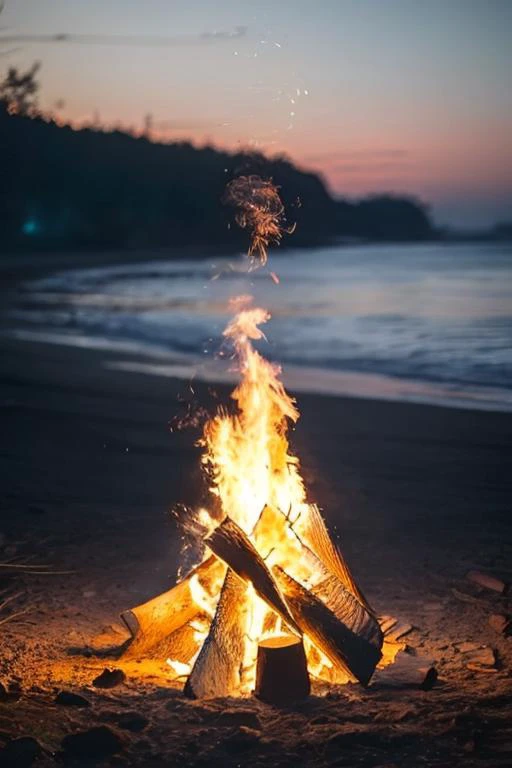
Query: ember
[(273, 589)]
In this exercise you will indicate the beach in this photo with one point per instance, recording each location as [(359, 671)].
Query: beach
[(416, 495)]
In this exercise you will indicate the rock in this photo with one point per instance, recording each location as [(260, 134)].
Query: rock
[(132, 721), (94, 743), (109, 678), (498, 622), (20, 753), (69, 699), (239, 717)]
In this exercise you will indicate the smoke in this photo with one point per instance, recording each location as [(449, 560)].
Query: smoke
[(260, 210)]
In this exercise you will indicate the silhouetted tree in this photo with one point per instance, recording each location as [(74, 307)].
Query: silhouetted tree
[(18, 90), (65, 188)]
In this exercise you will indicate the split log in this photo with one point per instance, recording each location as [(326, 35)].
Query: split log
[(233, 546), (341, 645), (346, 602), (217, 669), (152, 622), (347, 608), (486, 580), (281, 670), (317, 538), (181, 646)]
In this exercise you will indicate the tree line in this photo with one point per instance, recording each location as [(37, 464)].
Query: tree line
[(66, 188)]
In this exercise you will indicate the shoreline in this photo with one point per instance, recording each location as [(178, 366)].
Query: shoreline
[(298, 379), (154, 359)]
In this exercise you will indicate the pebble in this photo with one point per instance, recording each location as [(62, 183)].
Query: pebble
[(69, 699), (109, 678)]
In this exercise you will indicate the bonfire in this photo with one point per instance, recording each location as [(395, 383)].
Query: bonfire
[(272, 605)]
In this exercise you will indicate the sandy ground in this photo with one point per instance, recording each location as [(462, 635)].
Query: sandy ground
[(416, 496)]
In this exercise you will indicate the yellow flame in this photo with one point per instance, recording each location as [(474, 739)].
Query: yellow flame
[(247, 452)]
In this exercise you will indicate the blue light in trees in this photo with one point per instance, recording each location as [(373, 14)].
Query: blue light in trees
[(31, 227)]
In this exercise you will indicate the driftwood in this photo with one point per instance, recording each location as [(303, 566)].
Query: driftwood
[(408, 672), (217, 669), (341, 645), (281, 670), (152, 622), (233, 546), (488, 581)]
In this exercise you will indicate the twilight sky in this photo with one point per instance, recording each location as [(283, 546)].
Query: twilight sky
[(408, 96)]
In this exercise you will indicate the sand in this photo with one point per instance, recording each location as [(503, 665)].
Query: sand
[(416, 496)]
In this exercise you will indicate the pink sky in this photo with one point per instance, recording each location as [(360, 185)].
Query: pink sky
[(378, 96)]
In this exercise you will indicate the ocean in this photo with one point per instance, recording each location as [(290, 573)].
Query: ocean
[(423, 322)]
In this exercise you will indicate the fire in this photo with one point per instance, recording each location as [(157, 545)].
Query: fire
[(251, 469), (270, 569), (247, 454)]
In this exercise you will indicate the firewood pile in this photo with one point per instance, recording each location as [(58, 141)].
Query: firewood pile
[(318, 626)]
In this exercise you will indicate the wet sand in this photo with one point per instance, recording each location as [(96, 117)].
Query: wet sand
[(416, 495)]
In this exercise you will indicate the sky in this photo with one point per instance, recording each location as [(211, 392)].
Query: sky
[(407, 96)]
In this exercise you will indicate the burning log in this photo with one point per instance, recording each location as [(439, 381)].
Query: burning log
[(349, 610), (232, 545), (337, 588), (181, 646), (217, 669), (153, 622), (317, 538), (341, 645), (281, 670)]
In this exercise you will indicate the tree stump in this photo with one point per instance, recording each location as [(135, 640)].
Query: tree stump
[(281, 670)]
